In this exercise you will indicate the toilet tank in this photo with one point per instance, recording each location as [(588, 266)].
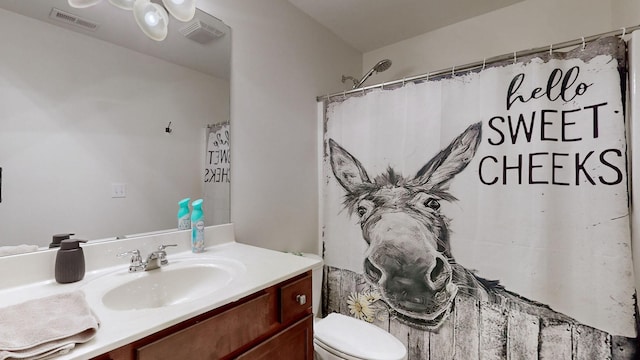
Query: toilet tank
[(316, 280)]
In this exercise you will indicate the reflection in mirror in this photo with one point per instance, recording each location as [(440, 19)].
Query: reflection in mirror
[(104, 130)]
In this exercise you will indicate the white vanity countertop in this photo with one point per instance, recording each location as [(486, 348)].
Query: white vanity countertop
[(262, 268)]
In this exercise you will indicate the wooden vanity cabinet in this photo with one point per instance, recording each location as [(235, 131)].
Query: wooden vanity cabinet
[(274, 323)]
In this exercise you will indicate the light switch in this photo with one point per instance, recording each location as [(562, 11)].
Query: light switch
[(118, 190)]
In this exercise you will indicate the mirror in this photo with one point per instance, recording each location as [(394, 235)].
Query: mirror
[(103, 130)]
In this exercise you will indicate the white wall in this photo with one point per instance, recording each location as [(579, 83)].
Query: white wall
[(525, 25), (77, 115), (281, 60), (625, 13)]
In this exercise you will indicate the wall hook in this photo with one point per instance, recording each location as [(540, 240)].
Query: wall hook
[(168, 129)]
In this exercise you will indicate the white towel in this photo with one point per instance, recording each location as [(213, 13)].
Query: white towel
[(40, 328), (17, 249)]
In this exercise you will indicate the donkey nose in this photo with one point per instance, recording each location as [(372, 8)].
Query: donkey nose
[(439, 275)]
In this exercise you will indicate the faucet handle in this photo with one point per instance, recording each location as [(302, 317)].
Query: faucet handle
[(136, 260), (163, 254), (135, 254)]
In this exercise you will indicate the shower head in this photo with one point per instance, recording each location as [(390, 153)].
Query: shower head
[(381, 66)]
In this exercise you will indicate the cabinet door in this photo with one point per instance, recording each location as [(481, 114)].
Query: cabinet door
[(292, 343), (218, 336), (295, 299)]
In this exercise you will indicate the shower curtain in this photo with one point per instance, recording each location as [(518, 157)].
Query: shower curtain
[(485, 215), (217, 174)]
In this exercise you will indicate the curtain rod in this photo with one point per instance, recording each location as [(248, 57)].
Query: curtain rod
[(482, 64)]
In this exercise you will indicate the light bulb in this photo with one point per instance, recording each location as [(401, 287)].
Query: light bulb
[(152, 19)]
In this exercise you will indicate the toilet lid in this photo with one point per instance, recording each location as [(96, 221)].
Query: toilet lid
[(357, 338)]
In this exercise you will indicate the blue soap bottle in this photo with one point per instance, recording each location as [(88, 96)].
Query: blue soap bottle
[(184, 221), (197, 227)]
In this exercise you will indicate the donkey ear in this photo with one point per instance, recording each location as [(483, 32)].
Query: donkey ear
[(451, 160), (346, 168)]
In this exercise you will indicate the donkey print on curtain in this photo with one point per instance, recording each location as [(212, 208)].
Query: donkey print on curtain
[(485, 215)]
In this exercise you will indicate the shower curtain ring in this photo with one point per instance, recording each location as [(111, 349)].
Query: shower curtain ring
[(428, 74), (550, 49), (453, 70), (514, 57), (484, 63), (403, 82), (583, 44), (624, 32)]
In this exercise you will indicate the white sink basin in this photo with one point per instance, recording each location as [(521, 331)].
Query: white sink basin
[(177, 283)]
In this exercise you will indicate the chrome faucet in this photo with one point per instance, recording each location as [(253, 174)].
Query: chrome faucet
[(154, 260)]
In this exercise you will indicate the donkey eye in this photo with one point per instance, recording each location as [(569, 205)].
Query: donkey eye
[(365, 207), (362, 210), (432, 203)]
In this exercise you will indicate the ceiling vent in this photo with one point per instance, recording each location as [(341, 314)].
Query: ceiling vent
[(201, 33), (71, 19)]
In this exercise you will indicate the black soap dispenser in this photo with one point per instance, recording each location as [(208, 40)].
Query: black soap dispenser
[(55, 241), (70, 261)]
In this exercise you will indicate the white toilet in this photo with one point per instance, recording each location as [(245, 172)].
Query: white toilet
[(341, 337)]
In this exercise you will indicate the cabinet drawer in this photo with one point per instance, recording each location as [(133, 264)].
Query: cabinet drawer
[(218, 336), (292, 343), (295, 299)]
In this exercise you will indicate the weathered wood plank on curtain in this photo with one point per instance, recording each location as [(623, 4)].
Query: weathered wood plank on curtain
[(347, 287), (555, 341), (493, 332), (591, 343), (416, 341), (467, 320), (523, 331), (331, 290), (442, 341)]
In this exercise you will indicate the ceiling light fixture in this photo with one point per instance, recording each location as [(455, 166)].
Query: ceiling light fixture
[(83, 3), (123, 4), (152, 18), (183, 10)]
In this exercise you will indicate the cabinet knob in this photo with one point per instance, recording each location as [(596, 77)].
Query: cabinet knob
[(301, 299)]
